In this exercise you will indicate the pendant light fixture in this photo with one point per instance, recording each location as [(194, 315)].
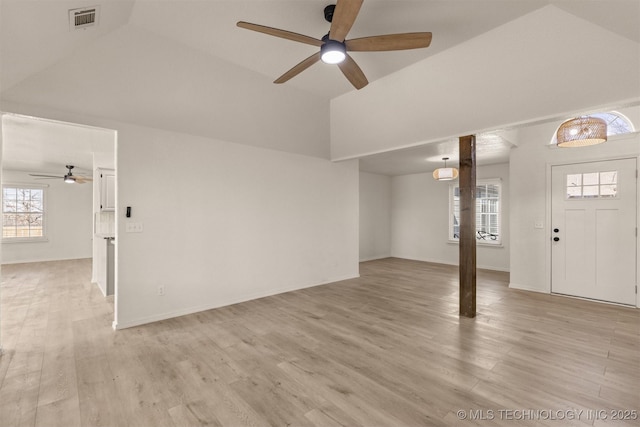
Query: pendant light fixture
[(582, 131), (445, 173)]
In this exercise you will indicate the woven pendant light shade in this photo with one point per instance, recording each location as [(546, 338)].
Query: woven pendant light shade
[(581, 132), (445, 173)]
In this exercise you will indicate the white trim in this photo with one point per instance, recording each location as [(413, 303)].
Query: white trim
[(182, 312), (453, 264), (27, 261), (14, 240), (479, 243), (45, 216), (527, 288), (374, 258), (548, 196), (553, 294)]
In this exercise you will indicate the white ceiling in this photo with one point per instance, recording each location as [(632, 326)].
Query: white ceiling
[(35, 41), (491, 148), (45, 146), (209, 27)]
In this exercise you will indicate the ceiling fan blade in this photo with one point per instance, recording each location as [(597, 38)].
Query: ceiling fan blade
[(45, 176), (389, 42), (353, 73), (344, 16), (299, 68), (82, 179), (280, 33)]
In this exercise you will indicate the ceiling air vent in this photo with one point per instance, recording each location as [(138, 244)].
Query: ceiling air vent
[(84, 17)]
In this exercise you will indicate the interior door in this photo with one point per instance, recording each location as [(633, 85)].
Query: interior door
[(593, 209)]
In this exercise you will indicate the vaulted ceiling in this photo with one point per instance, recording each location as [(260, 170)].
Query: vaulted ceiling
[(36, 34), (177, 64)]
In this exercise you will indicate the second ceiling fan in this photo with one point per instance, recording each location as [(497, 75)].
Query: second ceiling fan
[(69, 177), (334, 46)]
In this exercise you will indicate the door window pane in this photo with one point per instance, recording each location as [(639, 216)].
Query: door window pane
[(592, 185)]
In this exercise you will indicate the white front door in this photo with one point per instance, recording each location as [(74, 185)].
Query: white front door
[(593, 215)]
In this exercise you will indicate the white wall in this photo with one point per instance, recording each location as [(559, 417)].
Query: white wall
[(68, 210), (262, 221), (225, 223), (420, 220), (528, 69), (529, 167), (375, 216)]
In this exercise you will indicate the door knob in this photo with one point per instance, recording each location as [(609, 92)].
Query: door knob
[(555, 239)]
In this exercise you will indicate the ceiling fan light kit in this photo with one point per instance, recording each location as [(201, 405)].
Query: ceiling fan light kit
[(581, 132), (69, 177), (334, 47), (333, 52)]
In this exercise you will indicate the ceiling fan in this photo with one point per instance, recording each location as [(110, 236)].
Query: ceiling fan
[(334, 46), (69, 177)]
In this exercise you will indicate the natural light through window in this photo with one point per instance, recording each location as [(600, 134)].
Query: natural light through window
[(22, 213), (592, 185), (488, 221)]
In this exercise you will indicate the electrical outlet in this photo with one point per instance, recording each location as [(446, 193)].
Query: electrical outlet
[(161, 291)]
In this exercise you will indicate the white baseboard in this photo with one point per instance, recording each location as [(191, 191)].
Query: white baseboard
[(374, 258), (117, 325), (438, 261), (527, 288), (484, 267), (28, 261), (435, 261)]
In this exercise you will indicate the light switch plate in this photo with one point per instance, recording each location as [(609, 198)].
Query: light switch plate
[(538, 224), (133, 227)]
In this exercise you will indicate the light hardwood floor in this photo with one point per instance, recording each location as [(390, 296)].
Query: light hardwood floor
[(387, 349)]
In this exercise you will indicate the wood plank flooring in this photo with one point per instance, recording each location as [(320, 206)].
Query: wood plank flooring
[(386, 349)]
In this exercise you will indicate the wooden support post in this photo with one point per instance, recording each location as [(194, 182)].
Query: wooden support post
[(467, 184)]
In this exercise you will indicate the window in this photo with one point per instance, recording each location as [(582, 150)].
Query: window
[(488, 201), (22, 213), (592, 185)]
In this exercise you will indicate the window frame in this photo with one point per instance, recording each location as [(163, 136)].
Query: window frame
[(28, 186), (599, 185), (480, 182)]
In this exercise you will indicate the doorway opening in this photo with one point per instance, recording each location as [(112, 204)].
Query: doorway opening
[(51, 197)]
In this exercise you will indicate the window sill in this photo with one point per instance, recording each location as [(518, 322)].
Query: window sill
[(479, 243), (25, 240)]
